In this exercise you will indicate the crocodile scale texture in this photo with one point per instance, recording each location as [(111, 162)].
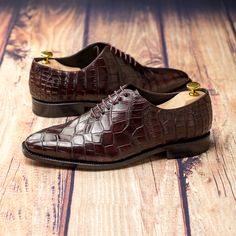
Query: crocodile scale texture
[(122, 125), (111, 69)]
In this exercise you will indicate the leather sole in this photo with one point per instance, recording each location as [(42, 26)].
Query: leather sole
[(188, 148), (60, 109)]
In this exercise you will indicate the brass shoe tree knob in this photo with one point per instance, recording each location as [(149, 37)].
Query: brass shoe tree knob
[(46, 55), (192, 87)]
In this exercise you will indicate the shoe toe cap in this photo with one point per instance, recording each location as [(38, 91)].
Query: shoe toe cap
[(48, 144), (34, 142)]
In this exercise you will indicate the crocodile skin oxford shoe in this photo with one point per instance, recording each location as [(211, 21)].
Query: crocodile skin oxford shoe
[(70, 85), (128, 126)]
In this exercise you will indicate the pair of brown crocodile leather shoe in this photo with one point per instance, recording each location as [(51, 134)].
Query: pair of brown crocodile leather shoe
[(148, 111)]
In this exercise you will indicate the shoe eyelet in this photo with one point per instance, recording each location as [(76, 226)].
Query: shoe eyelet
[(126, 94), (120, 99)]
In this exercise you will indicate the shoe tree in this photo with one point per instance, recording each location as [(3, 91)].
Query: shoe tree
[(184, 98), (52, 63)]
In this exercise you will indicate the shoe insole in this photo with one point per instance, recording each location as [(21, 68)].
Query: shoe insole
[(180, 100), (58, 66)]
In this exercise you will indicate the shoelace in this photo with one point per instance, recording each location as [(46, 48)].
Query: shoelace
[(127, 58), (109, 100)]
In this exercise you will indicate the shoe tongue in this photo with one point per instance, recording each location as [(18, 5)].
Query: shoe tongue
[(131, 88), (97, 49), (114, 95)]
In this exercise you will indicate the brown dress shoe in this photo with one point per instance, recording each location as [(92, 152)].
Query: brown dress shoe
[(128, 126), (67, 86)]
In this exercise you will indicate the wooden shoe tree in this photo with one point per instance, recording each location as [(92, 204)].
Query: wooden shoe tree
[(180, 100), (52, 63), (184, 98)]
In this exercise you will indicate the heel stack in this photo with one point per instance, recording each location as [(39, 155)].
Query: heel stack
[(188, 149)]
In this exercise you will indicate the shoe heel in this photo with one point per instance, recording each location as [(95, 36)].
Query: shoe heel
[(53, 110), (188, 149)]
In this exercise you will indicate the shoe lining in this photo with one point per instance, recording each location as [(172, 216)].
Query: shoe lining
[(79, 60)]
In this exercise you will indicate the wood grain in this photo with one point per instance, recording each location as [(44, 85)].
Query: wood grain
[(33, 198), (8, 15), (206, 51), (229, 7), (190, 196), (130, 201)]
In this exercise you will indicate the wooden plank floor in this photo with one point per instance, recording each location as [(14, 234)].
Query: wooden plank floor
[(191, 196)]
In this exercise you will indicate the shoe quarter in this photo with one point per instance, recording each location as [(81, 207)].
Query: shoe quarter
[(166, 126)]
